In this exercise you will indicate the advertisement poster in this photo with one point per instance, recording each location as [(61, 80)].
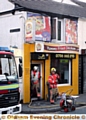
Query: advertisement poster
[(71, 31), (37, 27), (29, 30)]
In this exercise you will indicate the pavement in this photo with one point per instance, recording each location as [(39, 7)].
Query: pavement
[(43, 106)]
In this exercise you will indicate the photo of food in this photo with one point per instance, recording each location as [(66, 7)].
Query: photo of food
[(41, 27)]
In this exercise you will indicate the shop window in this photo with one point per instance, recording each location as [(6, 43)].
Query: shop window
[(57, 30), (63, 67)]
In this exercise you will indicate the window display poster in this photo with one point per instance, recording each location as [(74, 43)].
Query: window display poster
[(37, 27), (71, 31)]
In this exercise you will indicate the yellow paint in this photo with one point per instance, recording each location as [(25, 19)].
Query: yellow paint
[(28, 48), (26, 73), (47, 73)]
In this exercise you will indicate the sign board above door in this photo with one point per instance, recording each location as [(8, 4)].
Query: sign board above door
[(39, 56)]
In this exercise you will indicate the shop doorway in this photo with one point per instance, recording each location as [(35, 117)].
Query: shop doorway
[(40, 66)]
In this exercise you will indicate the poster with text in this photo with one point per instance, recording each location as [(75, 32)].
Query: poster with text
[(71, 31)]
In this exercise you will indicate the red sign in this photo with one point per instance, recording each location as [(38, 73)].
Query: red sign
[(61, 48)]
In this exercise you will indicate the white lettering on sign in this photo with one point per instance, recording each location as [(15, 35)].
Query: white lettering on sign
[(51, 48), (64, 55), (59, 55)]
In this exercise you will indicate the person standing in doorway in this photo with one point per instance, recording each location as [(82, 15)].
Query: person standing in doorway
[(53, 80), (35, 77)]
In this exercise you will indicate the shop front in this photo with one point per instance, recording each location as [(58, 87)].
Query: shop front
[(46, 55)]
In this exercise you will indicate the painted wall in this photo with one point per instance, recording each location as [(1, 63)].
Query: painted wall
[(7, 23), (5, 5)]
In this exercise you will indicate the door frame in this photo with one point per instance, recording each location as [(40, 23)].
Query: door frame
[(42, 80)]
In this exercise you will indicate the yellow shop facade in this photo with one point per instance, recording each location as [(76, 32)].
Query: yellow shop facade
[(64, 57)]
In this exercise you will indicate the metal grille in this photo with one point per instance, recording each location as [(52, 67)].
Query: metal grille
[(7, 100)]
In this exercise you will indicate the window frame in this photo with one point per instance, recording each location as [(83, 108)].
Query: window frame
[(56, 28), (62, 31), (70, 74)]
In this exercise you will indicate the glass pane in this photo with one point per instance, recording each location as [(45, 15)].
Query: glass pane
[(5, 66), (62, 67), (54, 29), (13, 67), (8, 67), (59, 30)]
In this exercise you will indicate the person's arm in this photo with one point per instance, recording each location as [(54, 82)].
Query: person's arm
[(39, 76), (50, 80), (57, 78)]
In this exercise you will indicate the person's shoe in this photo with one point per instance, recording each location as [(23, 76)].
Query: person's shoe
[(51, 101)]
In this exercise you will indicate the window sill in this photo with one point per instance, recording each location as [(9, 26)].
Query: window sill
[(63, 85), (56, 41)]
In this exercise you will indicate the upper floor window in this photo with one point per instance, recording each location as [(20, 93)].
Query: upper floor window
[(57, 30)]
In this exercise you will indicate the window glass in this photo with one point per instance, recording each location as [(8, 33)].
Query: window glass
[(8, 66), (12, 67), (63, 67), (53, 28), (5, 65), (59, 30)]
